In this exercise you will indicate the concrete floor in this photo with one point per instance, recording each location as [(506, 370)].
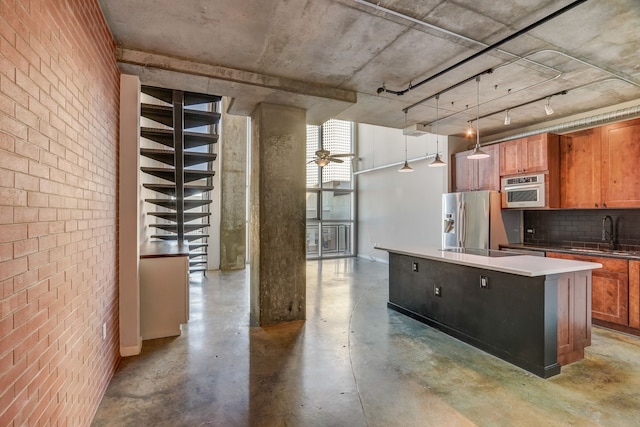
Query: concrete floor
[(353, 363)]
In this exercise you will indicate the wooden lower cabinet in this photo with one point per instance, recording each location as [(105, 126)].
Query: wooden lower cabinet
[(574, 316), (634, 294), (610, 287)]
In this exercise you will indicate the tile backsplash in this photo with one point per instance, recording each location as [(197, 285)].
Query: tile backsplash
[(581, 227)]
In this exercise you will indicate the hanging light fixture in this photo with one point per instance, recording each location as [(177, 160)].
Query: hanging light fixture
[(470, 130), (405, 167), (507, 118), (477, 151), (547, 107), (437, 162)]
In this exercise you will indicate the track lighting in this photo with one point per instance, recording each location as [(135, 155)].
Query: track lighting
[(437, 162), (477, 151), (507, 118), (547, 107), (405, 167)]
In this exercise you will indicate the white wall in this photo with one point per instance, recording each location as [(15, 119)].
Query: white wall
[(398, 209)]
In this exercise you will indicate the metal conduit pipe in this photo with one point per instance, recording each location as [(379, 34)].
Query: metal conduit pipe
[(600, 119), (485, 50)]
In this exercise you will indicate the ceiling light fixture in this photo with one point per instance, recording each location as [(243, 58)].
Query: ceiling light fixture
[(547, 107), (477, 151), (322, 162), (507, 118), (470, 130), (437, 162), (405, 167)]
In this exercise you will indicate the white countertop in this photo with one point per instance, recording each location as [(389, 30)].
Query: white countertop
[(523, 265)]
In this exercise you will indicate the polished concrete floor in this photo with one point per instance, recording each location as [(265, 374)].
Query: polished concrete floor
[(353, 363)]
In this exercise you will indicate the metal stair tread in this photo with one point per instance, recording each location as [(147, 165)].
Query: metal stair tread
[(192, 118), (172, 204), (190, 98), (168, 156), (191, 139)]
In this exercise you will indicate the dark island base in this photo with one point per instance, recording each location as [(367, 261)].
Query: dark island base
[(541, 371), (536, 323)]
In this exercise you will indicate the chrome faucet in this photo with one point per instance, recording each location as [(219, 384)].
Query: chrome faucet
[(608, 236)]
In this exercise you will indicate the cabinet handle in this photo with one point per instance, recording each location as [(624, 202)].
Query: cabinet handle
[(596, 205), (604, 205)]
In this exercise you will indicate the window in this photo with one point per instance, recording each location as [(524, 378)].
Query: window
[(330, 192)]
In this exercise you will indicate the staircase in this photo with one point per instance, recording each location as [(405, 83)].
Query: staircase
[(177, 147)]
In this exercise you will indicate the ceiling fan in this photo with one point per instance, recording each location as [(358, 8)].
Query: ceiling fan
[(323, 157)]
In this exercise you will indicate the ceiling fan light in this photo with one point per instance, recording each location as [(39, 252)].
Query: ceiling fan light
[(322, 162), (437, 162), (406, 167)]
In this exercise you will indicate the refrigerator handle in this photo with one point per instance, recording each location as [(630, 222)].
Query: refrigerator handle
[(463, 224), (459, 224)]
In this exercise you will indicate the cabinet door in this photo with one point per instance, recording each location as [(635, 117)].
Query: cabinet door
[(580, 169), (510, 157), (610, 287), (489, 169), (534, 153), (634, 294), (466, 174), (620, 172)]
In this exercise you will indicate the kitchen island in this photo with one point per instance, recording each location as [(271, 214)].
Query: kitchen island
[(531, 311)]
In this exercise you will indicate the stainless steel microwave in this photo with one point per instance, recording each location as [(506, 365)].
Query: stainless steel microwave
[(524, 191)]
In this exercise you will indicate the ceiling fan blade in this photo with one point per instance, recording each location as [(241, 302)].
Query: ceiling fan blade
[(343, 155), (331, 159)]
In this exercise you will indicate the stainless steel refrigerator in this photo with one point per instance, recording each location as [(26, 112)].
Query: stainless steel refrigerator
[(474, 219)]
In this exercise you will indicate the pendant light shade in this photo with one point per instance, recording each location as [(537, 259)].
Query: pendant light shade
[(405, 167), (437, 162), (477, 151)]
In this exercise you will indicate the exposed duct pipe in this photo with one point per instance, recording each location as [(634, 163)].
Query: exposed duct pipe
[(485, 50), (584, 123)]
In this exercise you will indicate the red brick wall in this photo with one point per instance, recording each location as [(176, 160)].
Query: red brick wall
[(58, 179)]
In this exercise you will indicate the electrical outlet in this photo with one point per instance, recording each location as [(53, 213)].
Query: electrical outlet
[(414, 266), (437, 291), (484, 282), (104, 331)]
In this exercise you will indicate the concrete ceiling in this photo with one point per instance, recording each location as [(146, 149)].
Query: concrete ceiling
[(331, 56)]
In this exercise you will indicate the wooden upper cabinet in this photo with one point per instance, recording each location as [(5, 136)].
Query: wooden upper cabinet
[(580, 169), (479, 174), (620, 171), (489, 169), (528, 155)]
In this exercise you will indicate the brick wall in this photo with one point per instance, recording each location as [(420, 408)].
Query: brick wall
[(58, 179), (581, 227)]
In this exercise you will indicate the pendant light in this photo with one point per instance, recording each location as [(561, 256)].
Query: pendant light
[(437, 162), (405, 167), (477, 151)]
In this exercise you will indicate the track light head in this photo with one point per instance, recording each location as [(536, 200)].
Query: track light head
[(547, 107)]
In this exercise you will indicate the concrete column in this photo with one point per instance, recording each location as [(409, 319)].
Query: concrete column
[(277, 244), (233, 195), (128, 216)]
